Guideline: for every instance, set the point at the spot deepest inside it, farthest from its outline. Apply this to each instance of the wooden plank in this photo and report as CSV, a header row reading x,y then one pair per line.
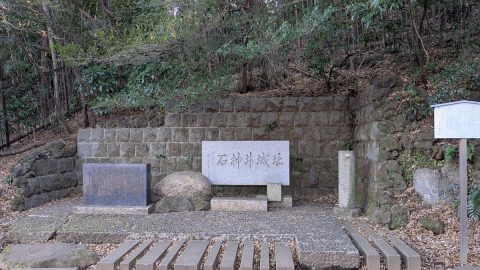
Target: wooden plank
x,y
147,262
130,260
168,260
283,257
246,262
212,257
265,256
111,261
191,257
369,253
229,256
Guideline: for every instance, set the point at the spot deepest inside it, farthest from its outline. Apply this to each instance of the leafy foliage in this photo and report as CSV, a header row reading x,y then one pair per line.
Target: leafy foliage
x,y
473,206
450,153
456,82
153,53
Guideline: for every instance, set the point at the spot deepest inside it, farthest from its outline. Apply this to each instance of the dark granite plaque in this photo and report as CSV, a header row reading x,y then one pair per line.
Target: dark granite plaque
x,y
116,184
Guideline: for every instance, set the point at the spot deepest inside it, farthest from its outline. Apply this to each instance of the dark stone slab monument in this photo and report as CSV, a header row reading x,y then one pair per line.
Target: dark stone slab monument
x,y
116,189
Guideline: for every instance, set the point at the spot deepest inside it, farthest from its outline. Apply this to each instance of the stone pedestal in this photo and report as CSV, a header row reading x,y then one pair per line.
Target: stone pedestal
x,y
346,184
274,192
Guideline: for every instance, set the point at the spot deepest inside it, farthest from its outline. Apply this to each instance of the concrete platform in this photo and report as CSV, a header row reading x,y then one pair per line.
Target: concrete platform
x,y
319,238
113,210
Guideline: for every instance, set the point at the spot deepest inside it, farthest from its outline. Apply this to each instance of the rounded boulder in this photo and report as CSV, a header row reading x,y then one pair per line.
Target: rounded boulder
x,y
184,184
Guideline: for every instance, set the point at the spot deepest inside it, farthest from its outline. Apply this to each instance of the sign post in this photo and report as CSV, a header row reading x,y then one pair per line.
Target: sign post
x,y
463,202
459,120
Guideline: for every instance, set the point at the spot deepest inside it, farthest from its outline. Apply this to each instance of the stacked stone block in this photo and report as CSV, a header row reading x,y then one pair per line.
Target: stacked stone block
x,y
317,127
45,175
380,130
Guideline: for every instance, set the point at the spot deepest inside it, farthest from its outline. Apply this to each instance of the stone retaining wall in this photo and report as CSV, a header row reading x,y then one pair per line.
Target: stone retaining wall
x,y
45,175
379,141
317,127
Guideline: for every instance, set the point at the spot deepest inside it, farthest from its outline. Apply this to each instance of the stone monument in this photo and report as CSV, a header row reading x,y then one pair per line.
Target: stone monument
x,y
116,189
248,163
346,184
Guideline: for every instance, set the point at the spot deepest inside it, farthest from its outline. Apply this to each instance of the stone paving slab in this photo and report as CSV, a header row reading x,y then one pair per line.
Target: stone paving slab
x,y
35,228
212,258
389,253
111,261
321,241
130,260
45,269
167,262
264,256
410,258
283,257
369,253
192,255
147,262
229,256
246,262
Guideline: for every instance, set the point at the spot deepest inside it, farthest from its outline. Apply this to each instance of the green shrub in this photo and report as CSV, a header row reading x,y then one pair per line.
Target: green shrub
x,y
451,152
473,206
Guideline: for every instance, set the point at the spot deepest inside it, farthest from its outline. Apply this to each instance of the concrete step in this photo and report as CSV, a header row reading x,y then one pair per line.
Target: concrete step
x,y
147,262
265,256
111,261
410,258
283,257
129,261
229,256
369,253
211,261
167,261
389,253
246,262
238,204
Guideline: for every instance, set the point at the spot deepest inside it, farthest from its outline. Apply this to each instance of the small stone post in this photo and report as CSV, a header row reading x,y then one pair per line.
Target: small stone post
x,y
346,184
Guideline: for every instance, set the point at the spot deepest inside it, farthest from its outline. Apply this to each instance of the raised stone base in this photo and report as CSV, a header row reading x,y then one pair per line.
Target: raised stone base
x,y
113,210
346,212
238,204
287,201
274,192
466,268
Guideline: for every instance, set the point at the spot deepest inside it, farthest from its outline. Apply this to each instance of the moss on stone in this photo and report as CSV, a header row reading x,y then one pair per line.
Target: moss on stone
x,y
434,225
413,159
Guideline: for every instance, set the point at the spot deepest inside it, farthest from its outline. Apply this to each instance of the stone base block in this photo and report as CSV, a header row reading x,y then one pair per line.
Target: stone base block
x,y
287,201
238,204
274,192
346,212
114,210
466,268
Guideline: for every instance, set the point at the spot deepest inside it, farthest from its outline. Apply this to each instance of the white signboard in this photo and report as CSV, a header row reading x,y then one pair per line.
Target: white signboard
x,y
246,162
457,120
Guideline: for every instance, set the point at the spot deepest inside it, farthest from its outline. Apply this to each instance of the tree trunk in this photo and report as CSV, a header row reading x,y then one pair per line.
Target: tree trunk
x,y
56,90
